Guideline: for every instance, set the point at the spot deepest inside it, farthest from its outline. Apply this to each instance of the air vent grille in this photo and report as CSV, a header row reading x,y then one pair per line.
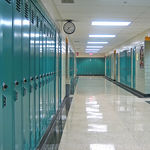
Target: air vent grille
x,y
8,1
18,5
37,21
32,17
67,1
26,10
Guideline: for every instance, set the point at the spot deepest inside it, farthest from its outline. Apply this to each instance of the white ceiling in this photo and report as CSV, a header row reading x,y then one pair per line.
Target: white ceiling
x,y
85,11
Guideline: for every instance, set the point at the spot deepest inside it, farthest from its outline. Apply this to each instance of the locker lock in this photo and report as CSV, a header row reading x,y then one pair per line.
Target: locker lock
x,y
44,75
5,86
40,76
16,83
37,77
24,80
31,78
47,74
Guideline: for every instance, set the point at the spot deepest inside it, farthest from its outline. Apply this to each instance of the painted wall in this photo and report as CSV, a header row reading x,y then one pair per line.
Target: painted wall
x,y
90,66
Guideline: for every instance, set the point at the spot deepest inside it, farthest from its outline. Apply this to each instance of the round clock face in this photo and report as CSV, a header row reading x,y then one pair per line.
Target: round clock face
x,y
69,27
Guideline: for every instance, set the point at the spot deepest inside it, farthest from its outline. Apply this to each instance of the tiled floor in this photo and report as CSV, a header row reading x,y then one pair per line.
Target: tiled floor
x,y
105,117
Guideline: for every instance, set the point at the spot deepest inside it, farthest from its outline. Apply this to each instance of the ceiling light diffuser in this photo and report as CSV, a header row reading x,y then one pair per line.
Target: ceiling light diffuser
x,y
95,46
102,36
97,42
109,23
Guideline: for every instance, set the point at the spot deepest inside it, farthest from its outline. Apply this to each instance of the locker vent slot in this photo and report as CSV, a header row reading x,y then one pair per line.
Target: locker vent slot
x,y
32,17
18,5
8,1
41,26
44,28
26,10
37,19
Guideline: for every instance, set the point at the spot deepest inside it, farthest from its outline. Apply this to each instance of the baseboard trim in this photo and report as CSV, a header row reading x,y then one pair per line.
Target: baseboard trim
x,y
52,123
129,89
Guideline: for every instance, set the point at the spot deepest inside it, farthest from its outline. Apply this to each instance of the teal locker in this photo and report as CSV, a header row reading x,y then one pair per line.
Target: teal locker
x,y
32,74
41,76
128,82
25,75
1,48
116,67
53,76
46,77
7,102
17,73
37,74
59,71
44,71
134,66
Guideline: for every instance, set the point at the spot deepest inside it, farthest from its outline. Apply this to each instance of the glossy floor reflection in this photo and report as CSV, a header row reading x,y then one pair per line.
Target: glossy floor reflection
x,y
105,117
53,140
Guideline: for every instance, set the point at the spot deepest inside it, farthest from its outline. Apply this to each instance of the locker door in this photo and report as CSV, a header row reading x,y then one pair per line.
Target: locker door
x,y
41,79
1,48
134,67
32,74
59,71
48,73
53,71
44,72
7,103
17,73
46,77
25,75
37,74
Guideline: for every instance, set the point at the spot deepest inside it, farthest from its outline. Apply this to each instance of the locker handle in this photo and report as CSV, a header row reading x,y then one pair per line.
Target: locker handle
x,y
44,75
40,76
47,74
31,78
5,86
16,83
25,80
37,77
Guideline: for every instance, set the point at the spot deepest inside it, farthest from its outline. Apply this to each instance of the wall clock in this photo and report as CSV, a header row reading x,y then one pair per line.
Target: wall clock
x,y
69,27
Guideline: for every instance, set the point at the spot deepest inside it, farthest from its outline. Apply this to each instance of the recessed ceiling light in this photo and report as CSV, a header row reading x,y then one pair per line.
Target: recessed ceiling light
x,y
109,23
102,36
91,49
97,42
95,46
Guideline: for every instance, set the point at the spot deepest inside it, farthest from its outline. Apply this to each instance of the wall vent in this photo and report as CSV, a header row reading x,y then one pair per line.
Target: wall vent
x,y
26,10
18,5
37,23
32,17
8,1
67,1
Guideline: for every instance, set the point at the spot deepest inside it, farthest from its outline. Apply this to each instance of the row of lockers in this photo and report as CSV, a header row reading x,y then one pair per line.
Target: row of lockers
x,y
125,67
28,42
90,66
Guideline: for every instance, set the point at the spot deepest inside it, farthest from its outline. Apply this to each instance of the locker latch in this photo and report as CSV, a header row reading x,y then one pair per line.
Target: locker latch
x,y
3,101
23,91
4,86
30,89
15,95
35,86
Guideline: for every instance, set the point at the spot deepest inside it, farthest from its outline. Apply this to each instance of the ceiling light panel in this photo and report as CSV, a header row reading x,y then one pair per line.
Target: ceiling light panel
x,y
95,46
97,42
101,36
109,23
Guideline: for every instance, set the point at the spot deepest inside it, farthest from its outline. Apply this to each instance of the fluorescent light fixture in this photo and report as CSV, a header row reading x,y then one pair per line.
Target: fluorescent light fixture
x,y
102,36
109,23
95,46
91,49
97,42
